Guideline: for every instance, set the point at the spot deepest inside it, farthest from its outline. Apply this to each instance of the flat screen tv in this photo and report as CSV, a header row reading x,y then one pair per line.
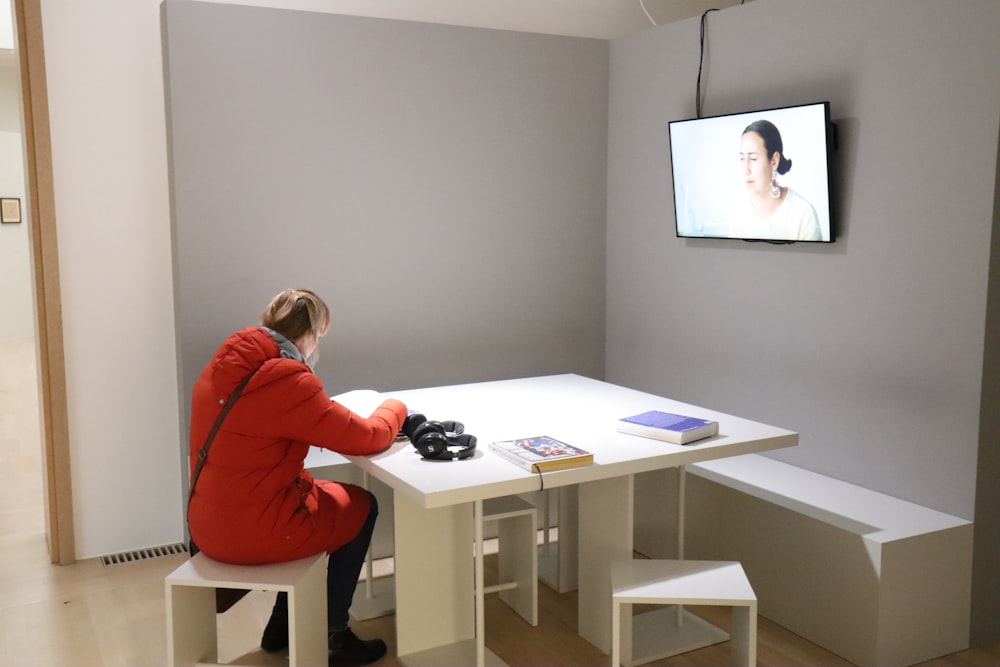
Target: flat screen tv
x,y
756,176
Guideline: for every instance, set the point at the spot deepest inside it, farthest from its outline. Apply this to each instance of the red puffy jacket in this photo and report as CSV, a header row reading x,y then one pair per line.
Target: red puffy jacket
x,y
254,502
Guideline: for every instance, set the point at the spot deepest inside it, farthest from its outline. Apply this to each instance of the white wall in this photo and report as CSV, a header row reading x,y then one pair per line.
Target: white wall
x,y
16,305
15,268
15,249
106,106
6,25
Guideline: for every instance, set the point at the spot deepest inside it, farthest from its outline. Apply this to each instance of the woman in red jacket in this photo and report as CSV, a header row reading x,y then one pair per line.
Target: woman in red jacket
x,y
253,501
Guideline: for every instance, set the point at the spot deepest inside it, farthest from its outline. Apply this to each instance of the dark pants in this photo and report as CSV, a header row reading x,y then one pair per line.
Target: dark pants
x,y
343,568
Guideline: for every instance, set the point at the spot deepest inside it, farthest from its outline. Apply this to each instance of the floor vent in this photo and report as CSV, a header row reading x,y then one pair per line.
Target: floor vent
x,y
144,554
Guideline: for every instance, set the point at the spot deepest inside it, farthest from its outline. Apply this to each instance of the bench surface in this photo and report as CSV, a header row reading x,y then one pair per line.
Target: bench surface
x,y
874,515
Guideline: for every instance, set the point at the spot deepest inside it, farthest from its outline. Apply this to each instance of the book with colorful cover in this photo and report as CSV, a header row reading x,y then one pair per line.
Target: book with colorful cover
x,y
541,453
667,426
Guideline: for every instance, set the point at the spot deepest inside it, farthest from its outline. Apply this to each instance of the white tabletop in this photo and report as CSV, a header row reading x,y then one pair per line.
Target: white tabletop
x,y
575,409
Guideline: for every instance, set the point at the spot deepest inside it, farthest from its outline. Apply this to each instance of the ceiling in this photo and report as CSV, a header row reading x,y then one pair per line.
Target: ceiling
x,y
604,19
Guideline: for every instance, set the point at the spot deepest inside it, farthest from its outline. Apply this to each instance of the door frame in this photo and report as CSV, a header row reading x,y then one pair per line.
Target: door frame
x,y
41,218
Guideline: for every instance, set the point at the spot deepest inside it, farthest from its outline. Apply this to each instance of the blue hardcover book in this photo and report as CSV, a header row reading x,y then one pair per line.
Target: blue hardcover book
x,y
678,429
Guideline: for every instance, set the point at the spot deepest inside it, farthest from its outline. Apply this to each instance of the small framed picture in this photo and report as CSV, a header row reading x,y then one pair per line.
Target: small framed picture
x,y
10,209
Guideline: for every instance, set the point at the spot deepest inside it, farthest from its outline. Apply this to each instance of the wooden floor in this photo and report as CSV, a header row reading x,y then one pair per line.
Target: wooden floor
x,y
91,615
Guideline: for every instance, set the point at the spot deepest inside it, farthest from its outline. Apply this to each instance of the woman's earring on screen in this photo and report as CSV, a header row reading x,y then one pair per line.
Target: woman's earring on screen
x,y
775,188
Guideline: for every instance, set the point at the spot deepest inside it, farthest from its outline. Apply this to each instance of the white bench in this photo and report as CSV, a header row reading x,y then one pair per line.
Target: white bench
x,y
872,578
517,534
190,601
640,638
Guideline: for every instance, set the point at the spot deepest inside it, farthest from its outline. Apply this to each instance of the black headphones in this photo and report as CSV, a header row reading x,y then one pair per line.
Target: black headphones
x,y
433,439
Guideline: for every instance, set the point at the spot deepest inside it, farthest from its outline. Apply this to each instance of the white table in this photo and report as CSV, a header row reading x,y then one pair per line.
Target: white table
x,y
439,602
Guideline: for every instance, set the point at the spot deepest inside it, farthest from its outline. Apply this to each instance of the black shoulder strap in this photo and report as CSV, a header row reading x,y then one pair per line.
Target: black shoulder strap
x,y
203,452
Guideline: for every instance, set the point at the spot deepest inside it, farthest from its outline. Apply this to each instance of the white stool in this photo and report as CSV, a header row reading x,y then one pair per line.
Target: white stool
x,y
517,534
190,597
679,582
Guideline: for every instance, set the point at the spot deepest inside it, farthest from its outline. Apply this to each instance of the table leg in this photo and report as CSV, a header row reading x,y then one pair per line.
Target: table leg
x,y
605,534
478,568
557,563
434,583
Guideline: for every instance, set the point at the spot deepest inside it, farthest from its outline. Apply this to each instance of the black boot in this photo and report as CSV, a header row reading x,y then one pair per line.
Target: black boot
x,y
275,637
347,649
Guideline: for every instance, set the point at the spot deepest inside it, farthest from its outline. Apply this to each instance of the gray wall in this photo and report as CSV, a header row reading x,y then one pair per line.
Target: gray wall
x,y
442,188
871,348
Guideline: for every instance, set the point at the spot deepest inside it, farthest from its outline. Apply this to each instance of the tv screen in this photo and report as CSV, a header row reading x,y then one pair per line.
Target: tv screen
x,y
756,176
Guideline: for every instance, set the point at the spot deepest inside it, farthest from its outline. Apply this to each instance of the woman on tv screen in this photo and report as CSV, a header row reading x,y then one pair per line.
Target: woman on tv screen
x,y
769,210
